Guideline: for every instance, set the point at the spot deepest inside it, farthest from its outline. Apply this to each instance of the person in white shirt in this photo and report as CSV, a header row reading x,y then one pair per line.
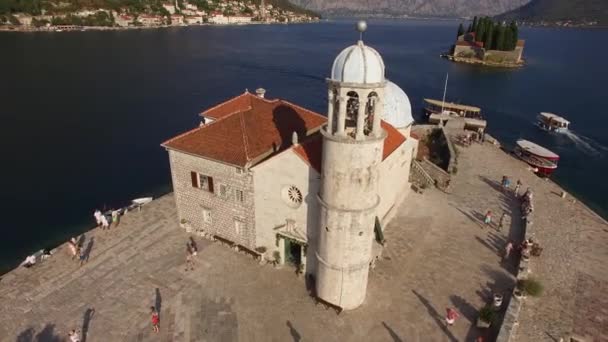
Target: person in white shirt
x,y
97,215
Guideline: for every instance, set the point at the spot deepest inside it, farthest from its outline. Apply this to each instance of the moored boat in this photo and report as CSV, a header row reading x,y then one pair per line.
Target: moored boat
x,y
552,122
543,160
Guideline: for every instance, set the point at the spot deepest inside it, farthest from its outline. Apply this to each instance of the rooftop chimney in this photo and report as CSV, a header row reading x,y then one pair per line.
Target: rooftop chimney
x,y
294,138
260,92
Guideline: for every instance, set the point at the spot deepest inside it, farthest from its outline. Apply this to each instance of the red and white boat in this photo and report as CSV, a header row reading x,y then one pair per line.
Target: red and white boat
x,y
541,159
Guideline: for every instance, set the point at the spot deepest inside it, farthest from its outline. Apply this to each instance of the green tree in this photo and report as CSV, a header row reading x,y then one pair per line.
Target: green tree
x,y
481,30
500,38
508,40
515,34
487,36
460,30
474,29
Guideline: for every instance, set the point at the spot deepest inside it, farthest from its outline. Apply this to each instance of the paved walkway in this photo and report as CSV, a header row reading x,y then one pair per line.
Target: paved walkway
x,y
438,256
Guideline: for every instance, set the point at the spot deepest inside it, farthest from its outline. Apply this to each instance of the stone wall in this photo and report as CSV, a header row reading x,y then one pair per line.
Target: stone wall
x,y
394,175
191,202
503,56
509,323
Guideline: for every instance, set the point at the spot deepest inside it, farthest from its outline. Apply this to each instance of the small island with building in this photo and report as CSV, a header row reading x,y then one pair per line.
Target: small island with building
x,y
489,43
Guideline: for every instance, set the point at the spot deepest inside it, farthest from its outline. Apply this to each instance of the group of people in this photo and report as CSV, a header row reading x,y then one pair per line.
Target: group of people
x,y
506,185
103,221
487,219
77,251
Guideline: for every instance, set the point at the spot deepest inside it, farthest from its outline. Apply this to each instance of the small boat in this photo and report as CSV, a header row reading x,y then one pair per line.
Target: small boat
x,y
137,204
440,107
541,159
142,201
552,122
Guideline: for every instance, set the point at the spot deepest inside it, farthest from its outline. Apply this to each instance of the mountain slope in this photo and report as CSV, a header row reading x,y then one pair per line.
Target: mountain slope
x,y
439,8
561,10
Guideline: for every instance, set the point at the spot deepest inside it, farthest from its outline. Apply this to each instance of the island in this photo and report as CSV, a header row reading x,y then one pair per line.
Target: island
x,y
490,43
41,15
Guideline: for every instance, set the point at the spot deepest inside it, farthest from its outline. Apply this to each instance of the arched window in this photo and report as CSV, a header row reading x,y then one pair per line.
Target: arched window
x,y
352,108
370,111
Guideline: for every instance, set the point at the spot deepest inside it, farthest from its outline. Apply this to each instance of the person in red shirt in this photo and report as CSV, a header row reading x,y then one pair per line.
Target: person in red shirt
x,y
155,320
451,316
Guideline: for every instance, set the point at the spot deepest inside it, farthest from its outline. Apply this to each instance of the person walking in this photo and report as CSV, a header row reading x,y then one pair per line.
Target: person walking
x,y
517,187
104,223
487,220
155,319
115,218
82,256
508,249
74,336
501,221
451,316
193,247
97,215
73,248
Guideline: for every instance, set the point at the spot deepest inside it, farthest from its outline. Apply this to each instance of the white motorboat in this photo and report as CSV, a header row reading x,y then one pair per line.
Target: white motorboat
x,y
552,122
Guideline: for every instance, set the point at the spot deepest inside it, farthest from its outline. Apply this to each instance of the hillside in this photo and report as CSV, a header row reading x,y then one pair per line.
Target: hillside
x,y
552,11
434,8
37,7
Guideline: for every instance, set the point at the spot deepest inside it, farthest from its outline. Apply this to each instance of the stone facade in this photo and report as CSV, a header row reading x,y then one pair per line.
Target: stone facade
x,y
272,178
394,176
230,218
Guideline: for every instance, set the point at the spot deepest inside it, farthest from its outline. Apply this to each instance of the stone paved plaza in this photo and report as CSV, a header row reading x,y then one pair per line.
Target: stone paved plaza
x,y
438,255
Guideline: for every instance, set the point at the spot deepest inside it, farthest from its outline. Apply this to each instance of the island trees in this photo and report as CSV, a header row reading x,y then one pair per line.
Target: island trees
x,y
493,35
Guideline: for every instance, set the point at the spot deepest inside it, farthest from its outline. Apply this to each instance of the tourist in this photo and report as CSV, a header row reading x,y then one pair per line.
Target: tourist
x,y
81,256
193,246
451,316
517,187
115,218
74,336
155,320
507,183
508,249
73,249
503,182
501,222
488,218
104,223
97,215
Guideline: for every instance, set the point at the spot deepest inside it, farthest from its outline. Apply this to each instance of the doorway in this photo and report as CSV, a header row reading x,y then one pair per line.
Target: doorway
x,y
293,253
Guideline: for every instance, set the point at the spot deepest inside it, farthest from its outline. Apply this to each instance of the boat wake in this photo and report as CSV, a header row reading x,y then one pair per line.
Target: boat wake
x,y
586,145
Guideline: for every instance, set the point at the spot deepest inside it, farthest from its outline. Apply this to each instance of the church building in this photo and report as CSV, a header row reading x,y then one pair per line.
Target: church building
x,y
268,175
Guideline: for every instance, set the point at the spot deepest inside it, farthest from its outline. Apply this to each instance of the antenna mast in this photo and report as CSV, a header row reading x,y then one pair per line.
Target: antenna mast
x,y
445,89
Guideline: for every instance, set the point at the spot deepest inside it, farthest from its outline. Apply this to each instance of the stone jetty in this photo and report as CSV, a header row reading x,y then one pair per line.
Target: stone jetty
x,y
438,255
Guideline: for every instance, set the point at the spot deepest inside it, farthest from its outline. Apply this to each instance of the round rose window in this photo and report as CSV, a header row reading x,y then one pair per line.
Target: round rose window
x,y
292,196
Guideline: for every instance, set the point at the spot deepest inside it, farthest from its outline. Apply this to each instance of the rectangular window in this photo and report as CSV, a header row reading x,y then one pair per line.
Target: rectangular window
x,y
239,170
239,226
206,215
224,191
205,182
239,195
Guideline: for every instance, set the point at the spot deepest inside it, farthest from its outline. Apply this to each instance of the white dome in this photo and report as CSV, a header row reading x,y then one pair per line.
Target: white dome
x,y
358,64
397,107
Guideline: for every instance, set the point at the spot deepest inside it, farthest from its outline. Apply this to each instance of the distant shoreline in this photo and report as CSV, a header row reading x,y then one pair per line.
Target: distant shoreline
x,y
25,29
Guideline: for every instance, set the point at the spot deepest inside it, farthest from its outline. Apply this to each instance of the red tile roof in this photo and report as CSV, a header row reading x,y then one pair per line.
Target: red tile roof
x,y
247,129
311,150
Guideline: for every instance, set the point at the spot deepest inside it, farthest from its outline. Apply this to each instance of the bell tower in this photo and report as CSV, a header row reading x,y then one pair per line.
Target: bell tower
x,y
353,142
